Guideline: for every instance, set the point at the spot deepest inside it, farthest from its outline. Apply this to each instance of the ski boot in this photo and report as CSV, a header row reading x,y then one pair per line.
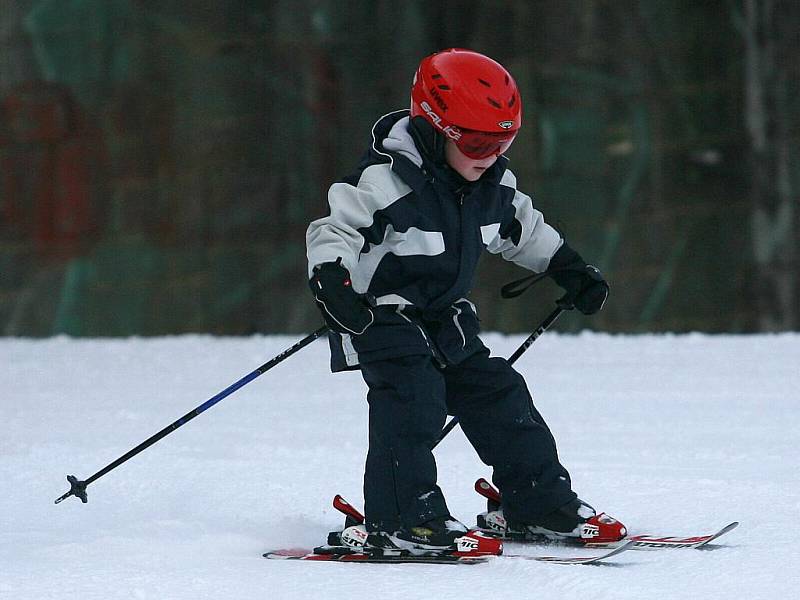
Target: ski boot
x,y
439,536
575,522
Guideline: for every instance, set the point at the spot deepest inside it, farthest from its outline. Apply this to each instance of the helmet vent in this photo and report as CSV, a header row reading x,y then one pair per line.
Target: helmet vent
x,y
484,82
512,101
507,80
446,88
494,102
436,76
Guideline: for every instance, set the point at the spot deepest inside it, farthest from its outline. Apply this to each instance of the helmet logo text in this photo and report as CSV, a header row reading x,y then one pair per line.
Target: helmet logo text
x,y
452,132
506,124
437,97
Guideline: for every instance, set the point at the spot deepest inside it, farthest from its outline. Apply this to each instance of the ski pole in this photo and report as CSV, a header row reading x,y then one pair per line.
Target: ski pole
x,y
544,326
78,488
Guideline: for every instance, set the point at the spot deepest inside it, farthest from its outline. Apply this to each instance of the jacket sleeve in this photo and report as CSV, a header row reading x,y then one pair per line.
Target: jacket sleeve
x,y
522,236
337,235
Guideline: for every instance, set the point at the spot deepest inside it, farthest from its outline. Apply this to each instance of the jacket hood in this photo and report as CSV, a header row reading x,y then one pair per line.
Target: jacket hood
x,y
417,155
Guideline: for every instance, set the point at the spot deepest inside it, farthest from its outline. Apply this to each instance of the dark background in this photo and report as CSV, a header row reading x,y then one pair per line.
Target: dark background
x,y
160,160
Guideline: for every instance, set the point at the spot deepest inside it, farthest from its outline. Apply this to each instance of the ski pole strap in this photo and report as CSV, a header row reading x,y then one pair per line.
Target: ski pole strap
x,y
520,286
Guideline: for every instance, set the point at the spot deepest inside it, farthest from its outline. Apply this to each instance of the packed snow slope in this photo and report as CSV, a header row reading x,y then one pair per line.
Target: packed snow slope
x,y
671,434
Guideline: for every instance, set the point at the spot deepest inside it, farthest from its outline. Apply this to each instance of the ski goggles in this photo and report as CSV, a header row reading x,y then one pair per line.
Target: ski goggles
x,y
483,144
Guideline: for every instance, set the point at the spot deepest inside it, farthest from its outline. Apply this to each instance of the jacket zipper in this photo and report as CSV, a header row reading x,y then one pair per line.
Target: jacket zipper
x,y
458,327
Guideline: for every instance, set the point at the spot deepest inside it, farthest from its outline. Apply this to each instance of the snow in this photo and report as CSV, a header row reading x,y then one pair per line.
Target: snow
x,y
677,434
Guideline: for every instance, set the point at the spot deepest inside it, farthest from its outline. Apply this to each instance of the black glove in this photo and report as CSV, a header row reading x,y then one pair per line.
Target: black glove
x,y
342,307
586,289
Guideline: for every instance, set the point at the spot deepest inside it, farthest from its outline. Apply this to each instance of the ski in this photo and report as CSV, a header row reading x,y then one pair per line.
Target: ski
x,y
637,542
574,560
658,542
632,542
361,558
330,554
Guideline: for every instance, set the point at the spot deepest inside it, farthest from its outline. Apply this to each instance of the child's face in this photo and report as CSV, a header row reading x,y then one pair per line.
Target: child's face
x,y
469,168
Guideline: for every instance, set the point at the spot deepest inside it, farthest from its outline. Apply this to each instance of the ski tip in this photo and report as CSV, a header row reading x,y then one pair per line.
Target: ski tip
x,y
582,560
728,528
629,545
288,553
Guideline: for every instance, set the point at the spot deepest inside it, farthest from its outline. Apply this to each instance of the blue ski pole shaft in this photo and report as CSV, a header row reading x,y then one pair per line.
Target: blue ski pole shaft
x,y
78,488
544,326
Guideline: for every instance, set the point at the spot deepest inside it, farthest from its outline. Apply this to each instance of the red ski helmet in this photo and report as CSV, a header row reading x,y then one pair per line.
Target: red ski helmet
x,y
470,99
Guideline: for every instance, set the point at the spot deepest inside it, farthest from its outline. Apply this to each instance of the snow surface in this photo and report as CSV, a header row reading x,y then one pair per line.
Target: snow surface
x,y
675,434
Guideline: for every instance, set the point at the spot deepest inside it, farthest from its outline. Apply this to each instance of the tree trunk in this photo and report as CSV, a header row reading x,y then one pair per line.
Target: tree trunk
x,y
773,203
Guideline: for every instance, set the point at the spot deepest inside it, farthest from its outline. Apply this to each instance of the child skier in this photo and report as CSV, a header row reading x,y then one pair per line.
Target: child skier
x,y
391,268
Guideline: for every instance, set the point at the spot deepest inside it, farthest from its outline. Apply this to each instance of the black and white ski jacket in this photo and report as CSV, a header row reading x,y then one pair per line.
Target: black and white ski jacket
x,y
411,232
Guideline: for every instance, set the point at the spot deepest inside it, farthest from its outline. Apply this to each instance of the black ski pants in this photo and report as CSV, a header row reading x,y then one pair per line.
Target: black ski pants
x,y
409,399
